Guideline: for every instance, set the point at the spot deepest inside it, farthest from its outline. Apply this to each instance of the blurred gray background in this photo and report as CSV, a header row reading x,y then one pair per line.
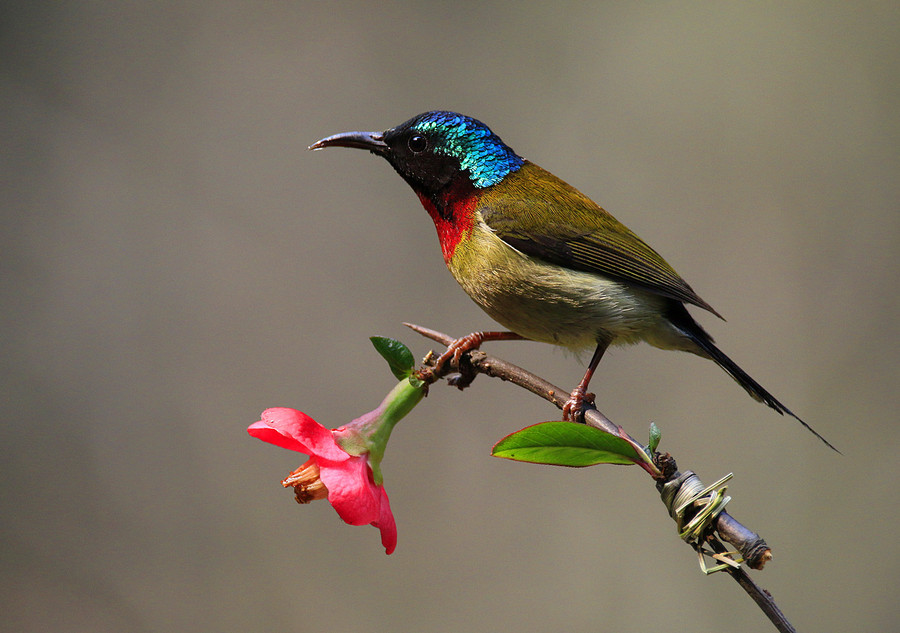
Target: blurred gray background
x,y
174,261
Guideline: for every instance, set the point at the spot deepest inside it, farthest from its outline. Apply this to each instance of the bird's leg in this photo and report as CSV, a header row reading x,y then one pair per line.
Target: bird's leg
x,y
471,342
573,409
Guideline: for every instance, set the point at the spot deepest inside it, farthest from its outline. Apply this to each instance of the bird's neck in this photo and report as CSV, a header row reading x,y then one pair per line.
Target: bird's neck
x,y
453,211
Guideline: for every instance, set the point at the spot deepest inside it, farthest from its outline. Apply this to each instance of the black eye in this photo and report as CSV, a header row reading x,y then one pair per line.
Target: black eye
x,y
417,144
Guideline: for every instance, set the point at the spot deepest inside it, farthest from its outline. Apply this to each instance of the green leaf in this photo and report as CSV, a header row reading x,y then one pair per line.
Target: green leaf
x,y
398,356
655,436
565,444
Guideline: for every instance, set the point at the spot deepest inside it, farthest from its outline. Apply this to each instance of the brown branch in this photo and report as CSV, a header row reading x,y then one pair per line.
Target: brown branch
x,y
752,547
760,596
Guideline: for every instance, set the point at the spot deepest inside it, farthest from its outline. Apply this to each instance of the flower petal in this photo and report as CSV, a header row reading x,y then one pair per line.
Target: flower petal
x,y
356,498
386,524
266,433
350,489
296,431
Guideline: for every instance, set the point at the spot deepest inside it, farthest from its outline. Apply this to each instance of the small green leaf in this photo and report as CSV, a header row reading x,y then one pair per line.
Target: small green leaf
x,y
655,436
565,444
398,356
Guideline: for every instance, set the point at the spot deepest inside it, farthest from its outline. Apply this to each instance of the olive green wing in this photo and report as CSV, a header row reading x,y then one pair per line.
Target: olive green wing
x,y
544,217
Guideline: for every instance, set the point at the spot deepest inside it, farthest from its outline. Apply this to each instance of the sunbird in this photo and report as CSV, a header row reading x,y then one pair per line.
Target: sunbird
x,y
540,257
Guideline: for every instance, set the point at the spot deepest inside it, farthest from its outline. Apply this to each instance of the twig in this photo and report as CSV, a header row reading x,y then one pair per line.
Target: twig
x,y
752,547
760,596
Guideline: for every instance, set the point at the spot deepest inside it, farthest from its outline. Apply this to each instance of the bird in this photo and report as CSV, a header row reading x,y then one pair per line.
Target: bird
x,y
537,255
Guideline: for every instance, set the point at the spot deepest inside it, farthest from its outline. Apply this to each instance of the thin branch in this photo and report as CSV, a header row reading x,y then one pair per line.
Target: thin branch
x,y
752,547
760,596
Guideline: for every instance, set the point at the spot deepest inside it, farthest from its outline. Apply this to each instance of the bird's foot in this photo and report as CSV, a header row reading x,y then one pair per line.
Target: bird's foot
x,y
573,409
468,343
455,355
456,351
457,348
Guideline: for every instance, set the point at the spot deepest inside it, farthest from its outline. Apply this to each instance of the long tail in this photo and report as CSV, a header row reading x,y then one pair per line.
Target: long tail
x,y
690,328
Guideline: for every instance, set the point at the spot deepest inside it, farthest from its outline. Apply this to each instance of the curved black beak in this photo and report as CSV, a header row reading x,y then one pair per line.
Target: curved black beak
x,y
372,141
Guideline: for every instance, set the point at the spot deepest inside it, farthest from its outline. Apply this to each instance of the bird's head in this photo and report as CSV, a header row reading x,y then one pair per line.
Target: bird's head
x,y
436,149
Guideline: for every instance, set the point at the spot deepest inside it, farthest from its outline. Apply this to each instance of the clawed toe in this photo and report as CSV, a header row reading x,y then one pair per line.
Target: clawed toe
x,y
573,409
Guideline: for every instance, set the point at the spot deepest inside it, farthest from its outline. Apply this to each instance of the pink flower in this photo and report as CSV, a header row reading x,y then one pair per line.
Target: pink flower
x,y
345,477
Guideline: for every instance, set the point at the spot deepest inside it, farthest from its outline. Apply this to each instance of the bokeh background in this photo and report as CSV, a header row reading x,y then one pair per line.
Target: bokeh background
x,y
174,261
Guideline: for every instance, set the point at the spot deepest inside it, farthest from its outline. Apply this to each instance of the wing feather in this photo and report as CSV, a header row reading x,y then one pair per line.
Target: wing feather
x,y
582,236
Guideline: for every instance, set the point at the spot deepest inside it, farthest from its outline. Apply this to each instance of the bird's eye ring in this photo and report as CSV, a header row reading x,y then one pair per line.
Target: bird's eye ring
x,y
417,144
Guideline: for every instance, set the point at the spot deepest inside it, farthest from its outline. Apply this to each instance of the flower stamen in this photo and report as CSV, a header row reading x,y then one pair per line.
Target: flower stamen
x,y
306,483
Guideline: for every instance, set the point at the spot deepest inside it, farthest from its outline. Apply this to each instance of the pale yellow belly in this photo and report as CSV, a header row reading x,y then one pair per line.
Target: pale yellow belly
x,y
552,304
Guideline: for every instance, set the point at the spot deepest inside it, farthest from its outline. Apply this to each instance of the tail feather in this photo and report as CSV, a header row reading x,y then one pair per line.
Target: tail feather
x,y
704,341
